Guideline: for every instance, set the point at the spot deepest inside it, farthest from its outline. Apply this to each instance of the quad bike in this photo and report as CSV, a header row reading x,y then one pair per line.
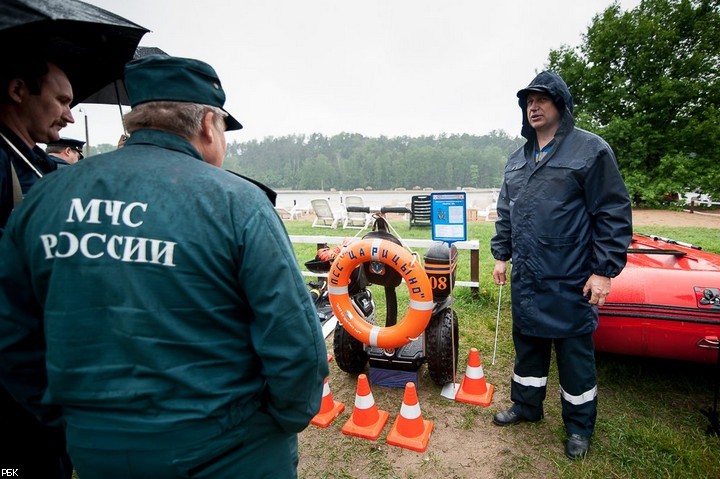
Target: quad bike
x,y
359,340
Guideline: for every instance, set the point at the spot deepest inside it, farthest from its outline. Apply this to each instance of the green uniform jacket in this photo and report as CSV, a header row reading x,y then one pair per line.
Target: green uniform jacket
x,y
149,294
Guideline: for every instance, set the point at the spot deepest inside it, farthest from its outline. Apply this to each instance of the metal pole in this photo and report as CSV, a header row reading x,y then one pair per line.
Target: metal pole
x,y
87,136
497,325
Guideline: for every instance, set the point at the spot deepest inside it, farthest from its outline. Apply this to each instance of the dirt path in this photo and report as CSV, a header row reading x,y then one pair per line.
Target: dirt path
x,y
676,218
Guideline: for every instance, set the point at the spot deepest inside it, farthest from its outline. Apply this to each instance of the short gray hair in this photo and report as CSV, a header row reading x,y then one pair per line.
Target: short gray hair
x,y
55,149
183,119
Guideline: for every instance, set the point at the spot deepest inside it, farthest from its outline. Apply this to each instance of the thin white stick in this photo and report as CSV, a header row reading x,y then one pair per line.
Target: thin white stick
x,y
452,318
497,325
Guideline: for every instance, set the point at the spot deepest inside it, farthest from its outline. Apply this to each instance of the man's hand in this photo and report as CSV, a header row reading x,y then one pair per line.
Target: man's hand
x,y
598,287
499,272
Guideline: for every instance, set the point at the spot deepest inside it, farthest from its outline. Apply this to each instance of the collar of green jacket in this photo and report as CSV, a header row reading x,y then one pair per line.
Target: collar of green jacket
x,y
163,139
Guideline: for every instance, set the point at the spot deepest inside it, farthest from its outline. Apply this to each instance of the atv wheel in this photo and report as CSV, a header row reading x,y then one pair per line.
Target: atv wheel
x,y
350,353
441,346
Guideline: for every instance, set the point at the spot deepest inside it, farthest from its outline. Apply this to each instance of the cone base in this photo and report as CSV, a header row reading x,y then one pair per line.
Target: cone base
x,y
418,443
368,432
323,419
483,399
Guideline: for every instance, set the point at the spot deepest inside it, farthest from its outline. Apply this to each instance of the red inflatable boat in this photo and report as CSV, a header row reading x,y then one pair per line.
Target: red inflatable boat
x,y
665,303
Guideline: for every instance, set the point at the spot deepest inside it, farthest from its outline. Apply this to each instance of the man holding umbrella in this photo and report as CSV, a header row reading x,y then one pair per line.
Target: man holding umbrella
x,y
54,41
48,46
35,98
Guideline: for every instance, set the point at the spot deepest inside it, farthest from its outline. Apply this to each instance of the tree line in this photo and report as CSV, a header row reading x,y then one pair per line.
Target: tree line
x,y
347,161
350,160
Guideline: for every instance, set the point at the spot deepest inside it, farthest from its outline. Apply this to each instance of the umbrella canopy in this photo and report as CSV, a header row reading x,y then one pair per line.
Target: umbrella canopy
x,y
90,44
115,93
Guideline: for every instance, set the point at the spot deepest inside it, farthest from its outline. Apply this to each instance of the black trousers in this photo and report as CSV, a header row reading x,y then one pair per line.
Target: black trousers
x,y
578,379
35,450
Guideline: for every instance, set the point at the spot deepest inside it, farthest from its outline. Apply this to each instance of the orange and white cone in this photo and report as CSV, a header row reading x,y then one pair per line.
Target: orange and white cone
x,y
410,430
473,388
329,408
366,420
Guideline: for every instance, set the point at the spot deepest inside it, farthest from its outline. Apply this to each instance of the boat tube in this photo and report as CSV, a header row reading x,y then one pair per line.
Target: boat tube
x,y
664,304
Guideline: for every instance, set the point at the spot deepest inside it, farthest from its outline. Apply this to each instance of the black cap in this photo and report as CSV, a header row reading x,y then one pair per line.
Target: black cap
x,y
167,78
523,94
552,84
71,143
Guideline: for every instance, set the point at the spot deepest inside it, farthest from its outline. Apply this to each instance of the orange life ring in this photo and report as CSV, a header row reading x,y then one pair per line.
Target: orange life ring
x,y
393,255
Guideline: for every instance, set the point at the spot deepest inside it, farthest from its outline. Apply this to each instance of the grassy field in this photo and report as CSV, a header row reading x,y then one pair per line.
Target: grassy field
x,y
649,423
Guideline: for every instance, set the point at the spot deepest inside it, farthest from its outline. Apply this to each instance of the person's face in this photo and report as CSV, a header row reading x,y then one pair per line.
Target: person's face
x,y
49,112
542,114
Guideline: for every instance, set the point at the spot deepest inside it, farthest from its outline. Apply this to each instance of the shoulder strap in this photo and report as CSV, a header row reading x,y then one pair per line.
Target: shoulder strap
x,y
21,156
17,190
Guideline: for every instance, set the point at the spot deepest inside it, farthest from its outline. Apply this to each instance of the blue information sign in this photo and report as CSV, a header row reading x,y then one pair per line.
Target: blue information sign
x,y
449,222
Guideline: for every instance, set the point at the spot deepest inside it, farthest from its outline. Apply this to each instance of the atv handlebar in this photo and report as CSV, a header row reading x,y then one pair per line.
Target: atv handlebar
x,y
383,210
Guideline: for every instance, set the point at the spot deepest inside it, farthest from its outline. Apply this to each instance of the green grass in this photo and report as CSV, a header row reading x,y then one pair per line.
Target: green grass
x,y
649,423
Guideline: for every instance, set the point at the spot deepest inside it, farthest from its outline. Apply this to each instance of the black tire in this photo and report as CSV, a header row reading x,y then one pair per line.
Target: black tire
x,y
350,354
441,346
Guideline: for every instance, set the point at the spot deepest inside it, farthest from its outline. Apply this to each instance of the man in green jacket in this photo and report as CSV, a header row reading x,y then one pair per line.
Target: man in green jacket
x,y
154,299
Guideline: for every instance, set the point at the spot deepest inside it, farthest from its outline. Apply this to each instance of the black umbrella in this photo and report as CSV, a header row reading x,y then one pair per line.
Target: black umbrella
x,y
115,93
90,44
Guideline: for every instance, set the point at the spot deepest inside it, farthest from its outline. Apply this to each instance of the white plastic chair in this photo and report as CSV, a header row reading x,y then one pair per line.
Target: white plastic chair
x,y
355,220
324,216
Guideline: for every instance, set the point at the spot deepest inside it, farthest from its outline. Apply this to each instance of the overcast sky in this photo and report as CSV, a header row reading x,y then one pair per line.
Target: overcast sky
x,y
375,67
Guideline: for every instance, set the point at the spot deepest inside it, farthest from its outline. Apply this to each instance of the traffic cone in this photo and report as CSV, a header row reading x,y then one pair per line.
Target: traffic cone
x,y
366,420
410,430
329,409
473,388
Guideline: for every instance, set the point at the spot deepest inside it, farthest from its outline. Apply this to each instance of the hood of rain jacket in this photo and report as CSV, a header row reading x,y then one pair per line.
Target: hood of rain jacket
x,y
554,85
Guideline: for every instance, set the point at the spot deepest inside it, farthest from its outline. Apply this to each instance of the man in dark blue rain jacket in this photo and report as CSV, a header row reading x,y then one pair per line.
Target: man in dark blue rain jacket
x,y
156,299
35,97
565,220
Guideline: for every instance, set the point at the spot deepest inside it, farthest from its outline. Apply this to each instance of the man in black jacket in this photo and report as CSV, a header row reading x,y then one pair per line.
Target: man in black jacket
x,y
35,98
564,218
